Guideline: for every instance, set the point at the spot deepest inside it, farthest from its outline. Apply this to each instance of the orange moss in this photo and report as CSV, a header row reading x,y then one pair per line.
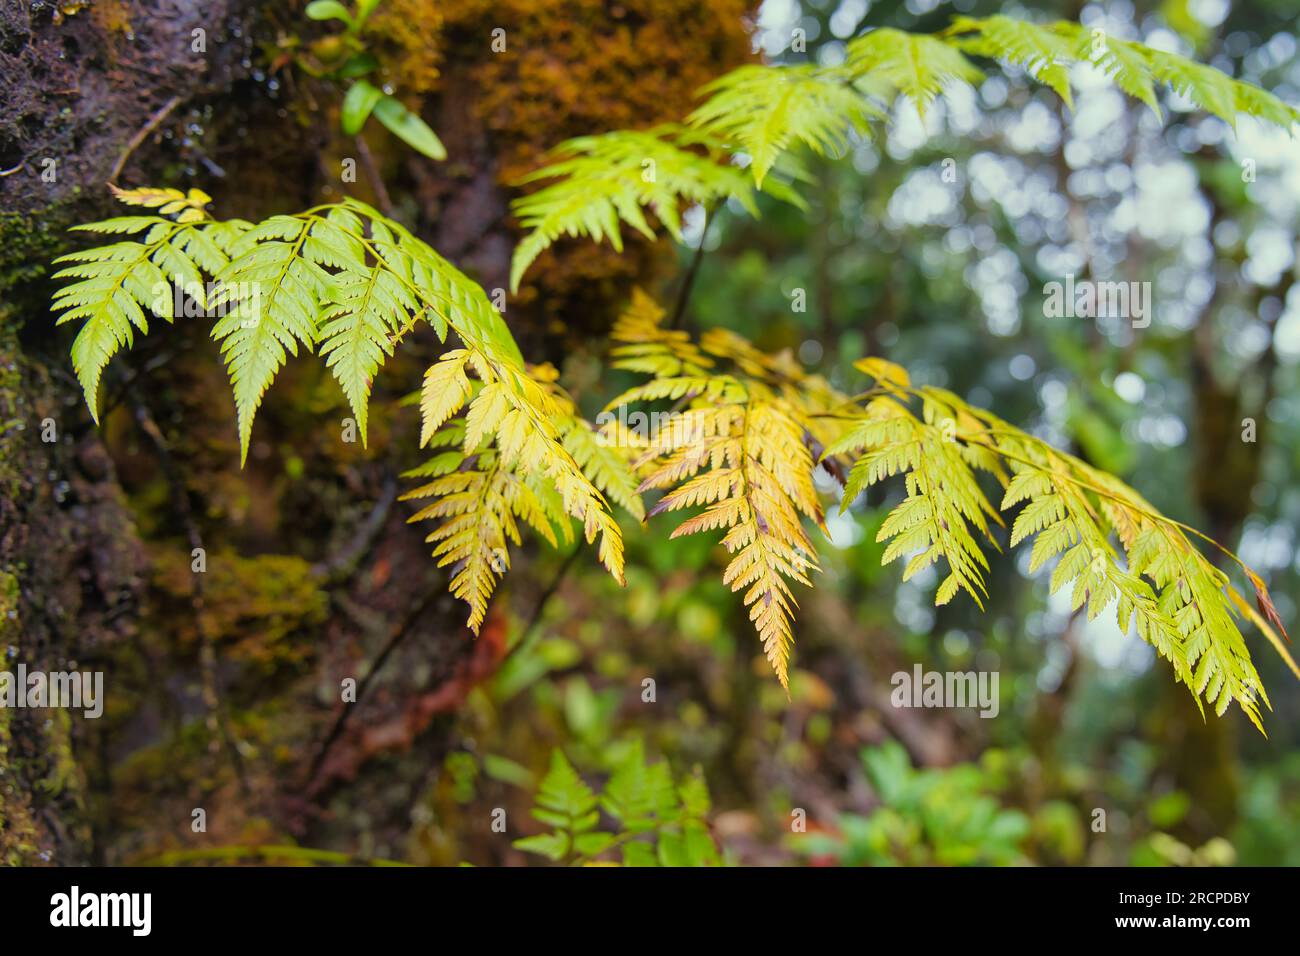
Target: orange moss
x,y
577,67
404,35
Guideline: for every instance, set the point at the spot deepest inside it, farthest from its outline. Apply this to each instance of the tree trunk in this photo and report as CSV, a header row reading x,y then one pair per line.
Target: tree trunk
x,y
224,684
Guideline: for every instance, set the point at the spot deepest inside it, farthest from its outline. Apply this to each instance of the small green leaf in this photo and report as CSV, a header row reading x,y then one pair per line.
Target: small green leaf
x,y
328,10
553,846
409,128
592,844
364,9
359,65
358,104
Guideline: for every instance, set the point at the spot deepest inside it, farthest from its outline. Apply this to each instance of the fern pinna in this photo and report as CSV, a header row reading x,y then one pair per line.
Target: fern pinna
x,y
744,430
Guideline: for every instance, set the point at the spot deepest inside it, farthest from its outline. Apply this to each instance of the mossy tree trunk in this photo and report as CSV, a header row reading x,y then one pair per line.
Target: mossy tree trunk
x,y
224,685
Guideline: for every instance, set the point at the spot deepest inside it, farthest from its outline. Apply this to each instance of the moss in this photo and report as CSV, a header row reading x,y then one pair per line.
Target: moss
x,y
10,623
12,425
113,17
404,36
19,836
256,606
580,68
27,244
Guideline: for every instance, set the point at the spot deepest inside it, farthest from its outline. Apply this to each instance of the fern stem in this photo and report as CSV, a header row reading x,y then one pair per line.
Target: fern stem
x,y
688,280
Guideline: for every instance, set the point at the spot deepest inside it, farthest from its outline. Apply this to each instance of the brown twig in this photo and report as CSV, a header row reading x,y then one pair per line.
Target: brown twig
x,y
376,180
542,601
154,121
396,635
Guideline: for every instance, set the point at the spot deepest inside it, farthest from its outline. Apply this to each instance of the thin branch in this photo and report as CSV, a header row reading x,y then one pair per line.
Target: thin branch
x,y
396,635
340,566
154,122
376,180
542,601
688,280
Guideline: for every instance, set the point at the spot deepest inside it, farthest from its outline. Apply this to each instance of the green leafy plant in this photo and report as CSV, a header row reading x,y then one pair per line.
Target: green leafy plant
x,y
344,59
934,817
656,821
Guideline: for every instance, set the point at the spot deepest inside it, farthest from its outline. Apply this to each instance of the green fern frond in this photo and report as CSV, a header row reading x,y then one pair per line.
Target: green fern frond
x,y
1126,64
602,181
271,293
1112,548
766,110
944,503
1203,85
352,281
1046,53
918,66
1042,52
659,822
364,310
122,284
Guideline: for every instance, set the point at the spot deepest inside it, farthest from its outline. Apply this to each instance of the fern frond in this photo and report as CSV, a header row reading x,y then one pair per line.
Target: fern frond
x,y
363,309
602,181
186,207
603,458
650,349
756,485
1110,546
1159,582
272,293
918,66
479,502
517,408
1040,51
1124,63
603,462
353,281
944,503
1203,85
766,110
121,284
1046,53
